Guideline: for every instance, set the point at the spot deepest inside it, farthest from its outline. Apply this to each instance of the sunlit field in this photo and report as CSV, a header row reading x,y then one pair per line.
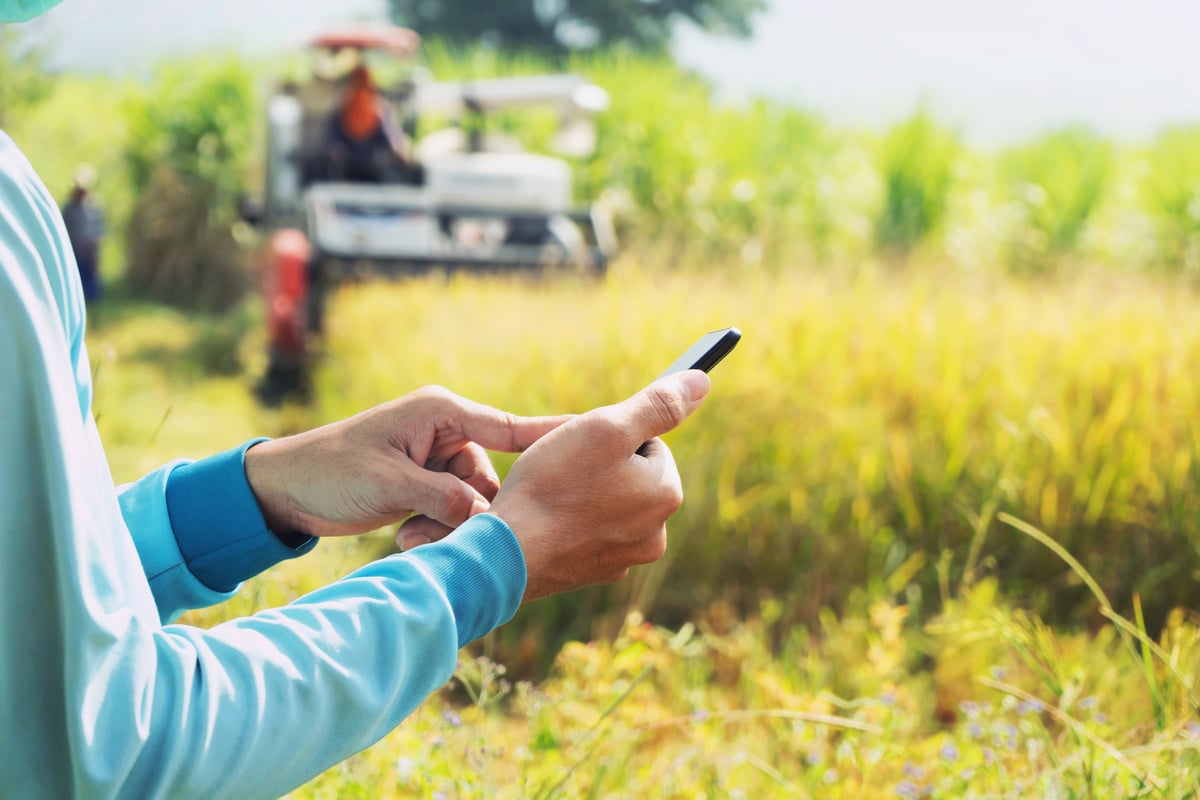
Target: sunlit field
x,y
941,535
879,493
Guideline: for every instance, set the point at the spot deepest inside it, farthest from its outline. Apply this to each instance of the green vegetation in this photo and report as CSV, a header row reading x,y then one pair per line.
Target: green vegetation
x,y
940,518
189,142
1055,184
696,185
22,81
917,167
848,609
891,421
1173,198
198,118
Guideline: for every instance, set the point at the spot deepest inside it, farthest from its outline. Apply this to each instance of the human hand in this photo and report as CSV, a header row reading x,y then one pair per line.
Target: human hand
x,y
592,497
422,454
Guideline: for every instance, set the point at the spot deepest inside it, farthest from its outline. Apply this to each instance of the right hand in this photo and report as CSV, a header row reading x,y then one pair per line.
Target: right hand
x,y
591,498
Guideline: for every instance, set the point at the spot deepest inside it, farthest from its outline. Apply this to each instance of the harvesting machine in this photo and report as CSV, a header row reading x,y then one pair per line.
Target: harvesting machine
x,y
462,197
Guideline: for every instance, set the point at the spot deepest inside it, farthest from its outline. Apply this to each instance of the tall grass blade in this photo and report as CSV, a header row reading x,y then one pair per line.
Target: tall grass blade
x,y
1061,552
1148,665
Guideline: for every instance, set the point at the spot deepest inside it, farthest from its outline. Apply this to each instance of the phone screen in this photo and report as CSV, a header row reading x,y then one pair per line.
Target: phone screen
x,y
707,352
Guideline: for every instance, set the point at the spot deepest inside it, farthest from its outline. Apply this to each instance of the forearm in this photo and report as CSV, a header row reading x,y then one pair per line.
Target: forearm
x,y
259,705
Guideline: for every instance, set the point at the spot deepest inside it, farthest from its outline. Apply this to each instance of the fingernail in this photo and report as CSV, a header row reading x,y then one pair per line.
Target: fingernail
x,y
414,541
696,382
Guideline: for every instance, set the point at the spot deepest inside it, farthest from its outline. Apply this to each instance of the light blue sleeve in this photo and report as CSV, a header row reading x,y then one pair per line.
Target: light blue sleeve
x,y
100,699
199,531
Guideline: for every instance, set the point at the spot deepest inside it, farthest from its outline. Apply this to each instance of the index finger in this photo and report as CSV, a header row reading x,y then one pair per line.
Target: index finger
x,y
501,431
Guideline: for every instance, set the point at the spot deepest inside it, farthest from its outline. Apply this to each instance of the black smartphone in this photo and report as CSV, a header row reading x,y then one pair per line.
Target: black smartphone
x,y
707,352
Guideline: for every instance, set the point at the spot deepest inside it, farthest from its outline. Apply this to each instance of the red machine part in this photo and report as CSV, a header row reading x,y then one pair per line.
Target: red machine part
x,y
285,286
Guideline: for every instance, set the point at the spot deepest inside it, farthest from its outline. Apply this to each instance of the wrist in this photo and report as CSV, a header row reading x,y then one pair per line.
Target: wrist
x,y
270,492
532,549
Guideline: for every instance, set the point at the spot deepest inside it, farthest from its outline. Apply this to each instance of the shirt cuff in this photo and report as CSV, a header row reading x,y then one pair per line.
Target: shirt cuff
x,y
481,568
218,525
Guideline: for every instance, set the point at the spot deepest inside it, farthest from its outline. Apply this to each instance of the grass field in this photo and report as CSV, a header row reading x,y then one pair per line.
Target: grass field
x,y
845,610
961,371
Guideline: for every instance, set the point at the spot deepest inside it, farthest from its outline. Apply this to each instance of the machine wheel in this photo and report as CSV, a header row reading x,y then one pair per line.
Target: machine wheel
x,y
318,290
286,378
565,246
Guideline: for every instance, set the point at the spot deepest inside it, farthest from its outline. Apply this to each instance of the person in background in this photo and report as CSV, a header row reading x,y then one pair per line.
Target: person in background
x,y
362,143
85,228
104,695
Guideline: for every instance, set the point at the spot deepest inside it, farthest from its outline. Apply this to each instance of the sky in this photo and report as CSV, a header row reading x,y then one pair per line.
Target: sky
x,y
999,71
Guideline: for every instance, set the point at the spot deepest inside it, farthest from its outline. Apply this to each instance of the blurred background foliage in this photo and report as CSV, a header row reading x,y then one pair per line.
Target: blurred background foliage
x,y
1054,184
700,184
190,142
916,163
559,26
942,405
23,81
936,335
1173,198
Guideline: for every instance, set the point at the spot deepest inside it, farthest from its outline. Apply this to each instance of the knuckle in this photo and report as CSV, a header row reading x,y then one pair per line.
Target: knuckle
x,y
675,499
454,506
509,421
489,485
671,497
667,408
433,392
604,427
654,548
616,576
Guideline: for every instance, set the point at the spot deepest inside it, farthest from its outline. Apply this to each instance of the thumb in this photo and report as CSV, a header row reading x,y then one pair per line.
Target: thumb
x,y
660,407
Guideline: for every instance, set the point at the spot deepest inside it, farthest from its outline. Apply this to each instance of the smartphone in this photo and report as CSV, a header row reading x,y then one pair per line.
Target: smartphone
x,y
707,352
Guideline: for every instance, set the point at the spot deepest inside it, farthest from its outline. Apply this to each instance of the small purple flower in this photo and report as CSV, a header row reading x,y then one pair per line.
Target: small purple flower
x,y
813,758
989,756
1010,737
1100,717
1089,702
1193,728
888,699
949,752
452,717
975,730
908,790
998,673
700,714
913,771
1031,707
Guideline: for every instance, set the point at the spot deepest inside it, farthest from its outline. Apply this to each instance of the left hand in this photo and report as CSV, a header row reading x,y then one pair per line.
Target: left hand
x,y
422,455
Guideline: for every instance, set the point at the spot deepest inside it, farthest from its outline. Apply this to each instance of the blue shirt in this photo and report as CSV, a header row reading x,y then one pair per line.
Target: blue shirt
x,y
100,696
